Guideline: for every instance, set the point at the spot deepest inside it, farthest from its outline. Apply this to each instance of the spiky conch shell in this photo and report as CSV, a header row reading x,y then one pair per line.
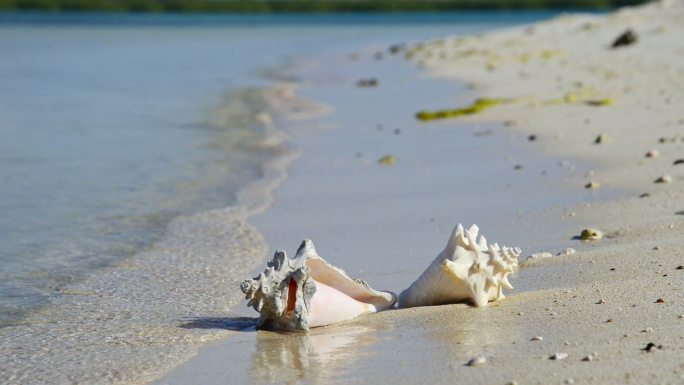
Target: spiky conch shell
x,y
270,292
466,271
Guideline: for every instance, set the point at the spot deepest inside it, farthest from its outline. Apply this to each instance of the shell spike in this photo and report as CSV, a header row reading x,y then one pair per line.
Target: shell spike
x,y
453,240
472,239
483,243
306,250
278,260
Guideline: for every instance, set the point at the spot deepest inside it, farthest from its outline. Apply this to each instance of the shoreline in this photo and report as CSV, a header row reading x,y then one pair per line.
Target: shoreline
x,y
597,309
123,312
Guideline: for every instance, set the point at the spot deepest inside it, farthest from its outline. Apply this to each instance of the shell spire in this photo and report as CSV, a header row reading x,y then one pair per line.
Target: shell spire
x,y
467,270
306,291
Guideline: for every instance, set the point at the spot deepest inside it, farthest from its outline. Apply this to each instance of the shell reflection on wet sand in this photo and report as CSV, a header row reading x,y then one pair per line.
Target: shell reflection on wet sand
x,y
311,357
306,291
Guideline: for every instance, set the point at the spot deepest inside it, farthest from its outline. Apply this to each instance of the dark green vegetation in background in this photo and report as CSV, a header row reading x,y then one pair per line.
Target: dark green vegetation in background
x,y
300,5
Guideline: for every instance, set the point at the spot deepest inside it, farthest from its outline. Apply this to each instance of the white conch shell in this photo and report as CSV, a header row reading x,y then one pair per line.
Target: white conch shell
x,y
466,270
306,291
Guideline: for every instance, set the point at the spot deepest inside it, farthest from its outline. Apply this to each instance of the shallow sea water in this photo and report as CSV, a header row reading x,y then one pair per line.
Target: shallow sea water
x,y
123,140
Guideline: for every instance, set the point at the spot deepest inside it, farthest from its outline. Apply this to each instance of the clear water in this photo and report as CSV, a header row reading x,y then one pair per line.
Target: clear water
x,y
108,129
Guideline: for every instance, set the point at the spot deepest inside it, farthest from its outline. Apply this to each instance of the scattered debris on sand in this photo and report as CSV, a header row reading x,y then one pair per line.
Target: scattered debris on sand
x,y
626,38
372,82
477,361
590,234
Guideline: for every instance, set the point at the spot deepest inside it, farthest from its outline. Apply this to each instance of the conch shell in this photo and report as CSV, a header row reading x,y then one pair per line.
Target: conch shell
x,y
466,271
306,291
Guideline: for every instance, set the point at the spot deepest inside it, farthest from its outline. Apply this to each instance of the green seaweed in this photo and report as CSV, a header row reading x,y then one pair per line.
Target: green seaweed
x,y
477,106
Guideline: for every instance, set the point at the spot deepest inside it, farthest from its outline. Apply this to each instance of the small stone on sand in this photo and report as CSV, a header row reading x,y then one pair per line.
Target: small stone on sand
x,y
664,179
651,347
590,234
680,267
601,301
653,154
372,82
537,338
660,300
601,138
559,356
647,330
567,251
588,358
678,161
541,255
592,185
626,38
477,361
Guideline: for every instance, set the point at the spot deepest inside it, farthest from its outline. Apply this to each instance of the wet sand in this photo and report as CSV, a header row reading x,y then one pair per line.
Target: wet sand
x,y
601,306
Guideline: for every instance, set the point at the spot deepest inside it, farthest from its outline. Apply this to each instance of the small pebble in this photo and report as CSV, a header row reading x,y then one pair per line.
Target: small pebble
x,y
601,301
678,161
590,234
647,330
644,195
477,361
518,167
650,347
664,179
601,138
532,138
540,255
567,251
520,313
372,82
660,300
569,381
680,267
653,154
588,358
559,356
656,248
592,185
537,338
681,316
609,320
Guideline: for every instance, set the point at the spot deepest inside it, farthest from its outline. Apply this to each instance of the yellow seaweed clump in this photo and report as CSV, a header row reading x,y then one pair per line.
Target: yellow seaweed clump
x,y
477,106
600,102
387,160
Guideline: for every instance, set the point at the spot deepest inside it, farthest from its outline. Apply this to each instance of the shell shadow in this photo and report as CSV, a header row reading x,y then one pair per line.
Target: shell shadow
x,y
240,324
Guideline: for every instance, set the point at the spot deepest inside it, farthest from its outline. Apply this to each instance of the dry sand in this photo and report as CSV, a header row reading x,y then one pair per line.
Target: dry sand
x,y
596,309
636,264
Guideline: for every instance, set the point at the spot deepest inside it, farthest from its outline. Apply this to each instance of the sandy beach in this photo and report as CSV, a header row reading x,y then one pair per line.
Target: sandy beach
x,y
612,312
574,134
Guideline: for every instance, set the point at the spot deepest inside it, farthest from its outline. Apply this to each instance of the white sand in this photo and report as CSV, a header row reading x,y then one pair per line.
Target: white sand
x,y
385,224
